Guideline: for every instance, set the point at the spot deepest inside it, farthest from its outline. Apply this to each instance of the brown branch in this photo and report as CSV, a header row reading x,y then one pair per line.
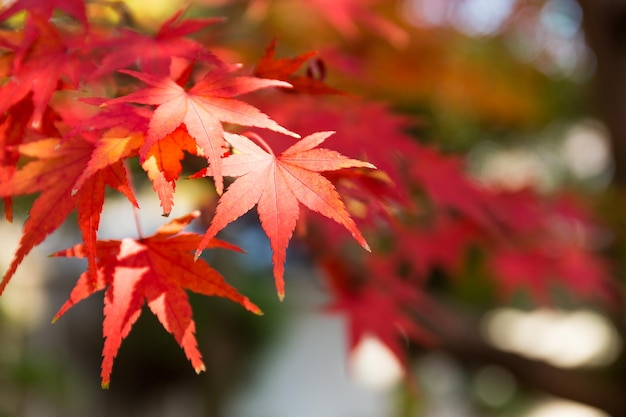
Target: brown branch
x,y
605,30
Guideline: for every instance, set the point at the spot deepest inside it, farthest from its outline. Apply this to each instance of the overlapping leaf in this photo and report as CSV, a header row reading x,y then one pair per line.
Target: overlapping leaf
x,y
52,58
201,109
163,165
54,174
156,270
12,132
376,304
284,69
276,185
45,8
154,54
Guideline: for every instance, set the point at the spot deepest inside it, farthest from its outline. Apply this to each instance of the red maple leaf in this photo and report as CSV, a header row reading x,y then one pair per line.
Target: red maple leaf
x,y
345,16
377,304
546,245
50,59
277,184
132,118
154,53
157,269
444,180
12,129
45,8
370,129
538,271
284,68
442,244
202,109
54,174
162,162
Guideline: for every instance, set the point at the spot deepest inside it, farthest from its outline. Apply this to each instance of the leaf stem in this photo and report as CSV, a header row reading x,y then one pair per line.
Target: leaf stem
x,y
258,139
137,224
135,206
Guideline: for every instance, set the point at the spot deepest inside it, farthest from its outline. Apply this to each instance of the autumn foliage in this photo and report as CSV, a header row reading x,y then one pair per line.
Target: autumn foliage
x,y
85,105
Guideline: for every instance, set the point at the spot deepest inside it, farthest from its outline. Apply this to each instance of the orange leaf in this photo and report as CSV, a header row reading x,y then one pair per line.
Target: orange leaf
x,y
163,165
114,145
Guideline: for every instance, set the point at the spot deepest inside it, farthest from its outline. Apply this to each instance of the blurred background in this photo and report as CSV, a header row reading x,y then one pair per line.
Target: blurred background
x,y
532,93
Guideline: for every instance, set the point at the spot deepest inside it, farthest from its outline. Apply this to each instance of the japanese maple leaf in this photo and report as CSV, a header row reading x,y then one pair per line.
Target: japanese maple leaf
x,y
163,165
45,8
131,118
156,269
378,313
277,184
202,109
112,147
52,58
54,173
154,54
344,15
279,69
540,270
359,125
551,244
447,185
442,244
163,160
384,308
12,130
284,68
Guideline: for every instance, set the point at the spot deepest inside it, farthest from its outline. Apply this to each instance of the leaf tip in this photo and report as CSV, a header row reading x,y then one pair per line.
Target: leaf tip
x,y
281,295
252,308
200,368
105,384
219,187
197,255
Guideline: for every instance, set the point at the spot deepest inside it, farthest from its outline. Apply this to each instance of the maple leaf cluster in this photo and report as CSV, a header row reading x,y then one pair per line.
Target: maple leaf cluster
x,y
81,100
69,129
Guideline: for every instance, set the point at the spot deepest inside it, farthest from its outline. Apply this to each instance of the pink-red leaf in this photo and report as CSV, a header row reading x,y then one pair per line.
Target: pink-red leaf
x,y
277,185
